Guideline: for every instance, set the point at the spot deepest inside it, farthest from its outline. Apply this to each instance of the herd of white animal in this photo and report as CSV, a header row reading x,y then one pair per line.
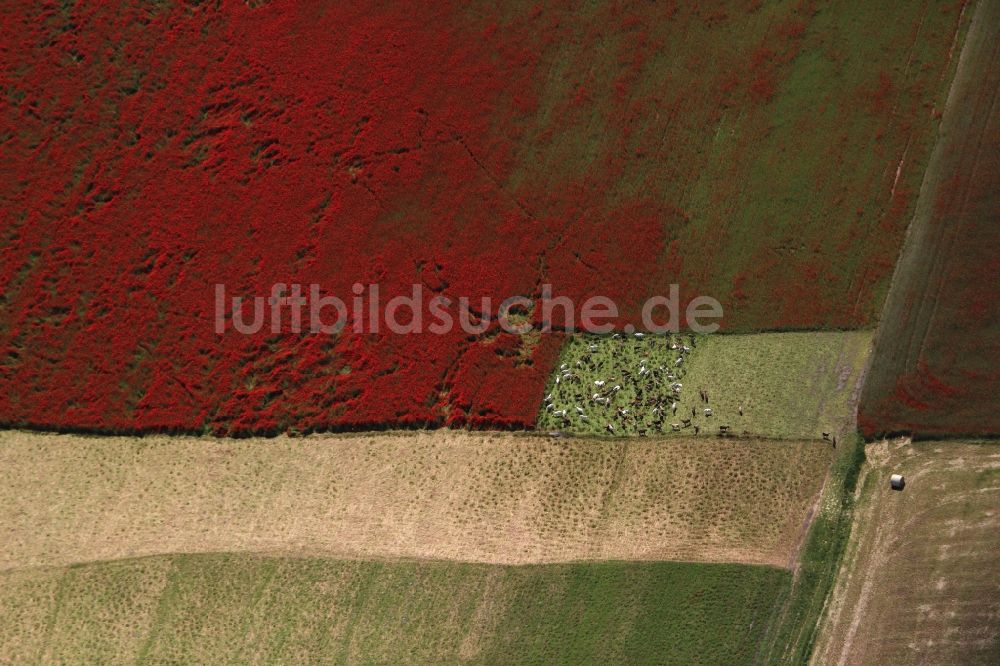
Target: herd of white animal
x,y
623,383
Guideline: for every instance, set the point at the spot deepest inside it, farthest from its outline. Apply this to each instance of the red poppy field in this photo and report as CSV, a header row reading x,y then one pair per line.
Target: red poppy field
x,y
768,155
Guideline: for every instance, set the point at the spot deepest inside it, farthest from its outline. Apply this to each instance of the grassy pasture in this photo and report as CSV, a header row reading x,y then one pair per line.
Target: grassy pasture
x,y
789,385
246,609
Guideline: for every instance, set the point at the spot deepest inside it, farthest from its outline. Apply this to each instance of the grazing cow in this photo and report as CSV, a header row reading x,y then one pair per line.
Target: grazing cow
x,y
610,428
740,408
826,436
696,430
686,422
599,383
676,427
708,411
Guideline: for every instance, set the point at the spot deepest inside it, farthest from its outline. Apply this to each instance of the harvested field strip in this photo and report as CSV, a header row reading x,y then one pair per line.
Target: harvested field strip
x,y
247,609
920,582
934,370
497,498
787,385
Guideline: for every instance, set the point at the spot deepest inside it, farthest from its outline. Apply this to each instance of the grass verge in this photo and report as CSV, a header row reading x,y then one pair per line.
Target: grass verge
x,y
791,639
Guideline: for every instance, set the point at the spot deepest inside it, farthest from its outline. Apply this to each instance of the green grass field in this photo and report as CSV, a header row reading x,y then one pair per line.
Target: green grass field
x,y
243,609
789,385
